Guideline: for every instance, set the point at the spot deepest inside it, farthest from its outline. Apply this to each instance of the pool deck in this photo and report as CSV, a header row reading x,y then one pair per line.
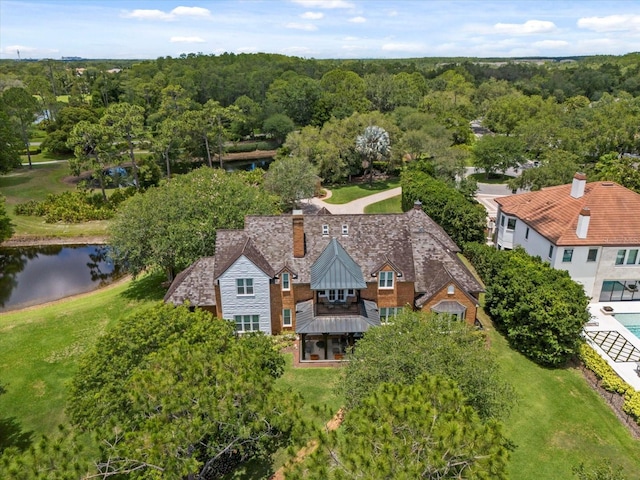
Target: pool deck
x,y
606,322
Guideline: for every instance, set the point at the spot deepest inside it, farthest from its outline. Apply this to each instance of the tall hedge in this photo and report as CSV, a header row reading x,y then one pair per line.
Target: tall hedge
x,y
462,219
541,311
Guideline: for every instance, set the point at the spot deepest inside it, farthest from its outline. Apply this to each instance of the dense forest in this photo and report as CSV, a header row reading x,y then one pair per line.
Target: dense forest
x,y
563,114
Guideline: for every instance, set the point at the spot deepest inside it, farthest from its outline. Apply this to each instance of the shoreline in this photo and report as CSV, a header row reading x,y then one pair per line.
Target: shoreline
x,y
29,241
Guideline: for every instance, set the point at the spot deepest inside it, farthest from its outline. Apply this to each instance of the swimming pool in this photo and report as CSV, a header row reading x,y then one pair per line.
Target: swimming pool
x,y
631,321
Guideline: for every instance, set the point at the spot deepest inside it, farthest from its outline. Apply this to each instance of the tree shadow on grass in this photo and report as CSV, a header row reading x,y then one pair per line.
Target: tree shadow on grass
x,y
11,435
146,287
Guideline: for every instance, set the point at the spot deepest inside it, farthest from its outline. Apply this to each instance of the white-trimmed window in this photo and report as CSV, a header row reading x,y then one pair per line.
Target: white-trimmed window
x,y
286,317
325,229
385,280
244,286
511,224
285,281
627,257
550,251
345,229
247,323
526,234
567,255
451,289
387,313
632,257
592,256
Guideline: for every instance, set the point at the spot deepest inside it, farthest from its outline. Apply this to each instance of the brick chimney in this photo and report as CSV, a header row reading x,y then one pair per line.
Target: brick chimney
x,y
577,187
583,222
417,205
298,234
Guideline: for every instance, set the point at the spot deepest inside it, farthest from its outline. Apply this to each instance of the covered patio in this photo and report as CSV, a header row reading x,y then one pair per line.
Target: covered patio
x,y
327,337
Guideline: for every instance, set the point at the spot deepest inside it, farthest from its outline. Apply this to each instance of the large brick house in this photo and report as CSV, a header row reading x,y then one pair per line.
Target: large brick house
x,y
329,278
592,230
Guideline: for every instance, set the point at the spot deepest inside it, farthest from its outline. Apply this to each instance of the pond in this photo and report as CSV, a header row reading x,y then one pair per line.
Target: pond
x,y
34,275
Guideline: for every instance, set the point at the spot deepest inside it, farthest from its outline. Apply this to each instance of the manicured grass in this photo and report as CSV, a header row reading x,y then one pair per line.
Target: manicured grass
x,y
24,184
39,348
494,179
44,157
347,193
559,421
390,205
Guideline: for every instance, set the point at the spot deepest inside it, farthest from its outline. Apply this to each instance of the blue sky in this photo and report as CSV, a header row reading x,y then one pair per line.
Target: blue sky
x,y
317,28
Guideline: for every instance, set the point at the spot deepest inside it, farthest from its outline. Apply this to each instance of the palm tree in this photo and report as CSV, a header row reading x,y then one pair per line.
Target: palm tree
x,y
373,145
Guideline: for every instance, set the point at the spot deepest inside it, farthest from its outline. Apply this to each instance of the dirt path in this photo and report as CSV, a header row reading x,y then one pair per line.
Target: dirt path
x,y
310,447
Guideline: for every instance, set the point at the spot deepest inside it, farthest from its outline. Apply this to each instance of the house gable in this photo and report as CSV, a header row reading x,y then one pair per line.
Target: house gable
x,y
237,299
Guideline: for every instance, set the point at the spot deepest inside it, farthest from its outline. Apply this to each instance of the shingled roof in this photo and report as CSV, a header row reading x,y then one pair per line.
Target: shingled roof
x,y
554,213
411,242
194,284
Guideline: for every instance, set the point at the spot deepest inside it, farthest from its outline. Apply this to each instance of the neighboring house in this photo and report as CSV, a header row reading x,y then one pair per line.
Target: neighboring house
x,y
592,230
329,278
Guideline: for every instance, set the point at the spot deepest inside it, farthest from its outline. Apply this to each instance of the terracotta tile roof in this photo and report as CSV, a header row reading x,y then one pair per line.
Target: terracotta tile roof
x,y
553,212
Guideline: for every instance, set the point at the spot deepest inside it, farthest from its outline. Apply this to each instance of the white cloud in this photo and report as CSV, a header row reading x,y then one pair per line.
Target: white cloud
x,y
24,49
191,12
143,14
312,15
550,44
187,40
350,39
324,3
358,20
296,50
611,23
393,13
301,26
527,28
403,47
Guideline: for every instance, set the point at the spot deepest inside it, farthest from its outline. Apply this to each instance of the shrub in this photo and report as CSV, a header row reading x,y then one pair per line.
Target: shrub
x,y
610,381
74,207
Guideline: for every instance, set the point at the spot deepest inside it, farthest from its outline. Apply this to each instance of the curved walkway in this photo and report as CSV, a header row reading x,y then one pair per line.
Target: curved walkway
x,y
355,206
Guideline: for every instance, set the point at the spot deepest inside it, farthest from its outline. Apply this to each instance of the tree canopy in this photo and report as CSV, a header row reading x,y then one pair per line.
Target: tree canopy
x,y
170,226
422,430
6,227
416,343
292,179
177,393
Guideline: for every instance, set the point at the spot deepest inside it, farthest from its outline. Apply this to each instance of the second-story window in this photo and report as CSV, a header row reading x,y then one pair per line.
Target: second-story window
x,y
244,286
285,282
325,229
345,229
567,255
385,280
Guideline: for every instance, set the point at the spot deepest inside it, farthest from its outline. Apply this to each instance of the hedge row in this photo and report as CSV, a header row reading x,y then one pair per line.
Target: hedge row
x,y
75,207
610,381
250,147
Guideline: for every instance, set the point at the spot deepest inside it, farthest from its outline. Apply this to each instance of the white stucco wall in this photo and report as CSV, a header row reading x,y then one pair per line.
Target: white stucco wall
x,y
590,275
257,304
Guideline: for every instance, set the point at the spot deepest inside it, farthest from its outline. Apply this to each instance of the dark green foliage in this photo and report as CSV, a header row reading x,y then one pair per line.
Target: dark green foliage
x,y
75,207
464,220
10,143
179,392
422,430
540,310
417,343
6,227
170,226
602,470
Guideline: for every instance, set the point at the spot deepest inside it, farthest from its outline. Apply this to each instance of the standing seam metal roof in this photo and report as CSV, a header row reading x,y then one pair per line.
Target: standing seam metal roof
x,y
335,269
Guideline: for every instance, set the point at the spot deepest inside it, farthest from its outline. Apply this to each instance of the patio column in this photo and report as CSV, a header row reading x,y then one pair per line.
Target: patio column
x,y
325,337
303,338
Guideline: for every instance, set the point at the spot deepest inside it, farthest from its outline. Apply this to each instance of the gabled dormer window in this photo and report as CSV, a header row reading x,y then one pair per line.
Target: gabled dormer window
x,y
385,280
451,290
285,281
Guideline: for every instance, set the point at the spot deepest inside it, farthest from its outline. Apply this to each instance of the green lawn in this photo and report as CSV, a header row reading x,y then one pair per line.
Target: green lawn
x,y
24,184
44,157
390,205
39,348
495,178
347,193
559,421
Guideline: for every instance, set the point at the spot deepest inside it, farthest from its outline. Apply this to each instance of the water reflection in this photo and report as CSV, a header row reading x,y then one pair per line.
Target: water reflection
x,y
33,275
